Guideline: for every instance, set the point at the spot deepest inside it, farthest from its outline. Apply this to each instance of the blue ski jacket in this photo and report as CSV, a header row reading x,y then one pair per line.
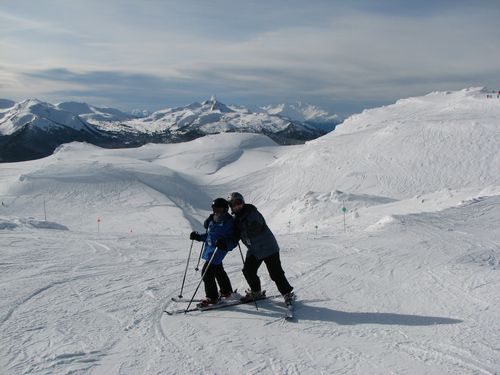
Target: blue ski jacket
x,y
223,229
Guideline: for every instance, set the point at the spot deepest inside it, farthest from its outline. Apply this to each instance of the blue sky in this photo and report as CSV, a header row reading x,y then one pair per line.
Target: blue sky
x,y
342,55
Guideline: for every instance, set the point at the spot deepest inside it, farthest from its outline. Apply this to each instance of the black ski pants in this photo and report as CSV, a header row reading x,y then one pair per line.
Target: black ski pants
x,y
273,264
215,273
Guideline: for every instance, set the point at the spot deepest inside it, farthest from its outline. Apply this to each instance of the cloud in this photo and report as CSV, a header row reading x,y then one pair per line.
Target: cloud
x,y
254,51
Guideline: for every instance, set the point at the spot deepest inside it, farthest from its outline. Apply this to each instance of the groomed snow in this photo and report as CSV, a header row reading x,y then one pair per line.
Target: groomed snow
x,y
410,287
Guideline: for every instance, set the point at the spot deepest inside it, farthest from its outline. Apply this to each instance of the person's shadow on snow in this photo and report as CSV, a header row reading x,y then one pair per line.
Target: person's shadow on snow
x,y
305,312
309,312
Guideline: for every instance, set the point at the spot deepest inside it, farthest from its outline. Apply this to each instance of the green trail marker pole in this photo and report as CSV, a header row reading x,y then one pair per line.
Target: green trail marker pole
x,y
344,210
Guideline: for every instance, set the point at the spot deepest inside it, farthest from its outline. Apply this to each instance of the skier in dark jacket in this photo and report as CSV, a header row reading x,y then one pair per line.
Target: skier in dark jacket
x,y
262,247
220,236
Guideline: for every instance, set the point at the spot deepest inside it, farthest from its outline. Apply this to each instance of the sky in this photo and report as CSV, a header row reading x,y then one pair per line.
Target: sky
x,y
344,56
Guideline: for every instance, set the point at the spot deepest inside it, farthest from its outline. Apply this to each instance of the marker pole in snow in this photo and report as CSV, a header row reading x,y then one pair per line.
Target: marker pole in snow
x,y
344,210
44,210
197,268
202,277
185,272
98,224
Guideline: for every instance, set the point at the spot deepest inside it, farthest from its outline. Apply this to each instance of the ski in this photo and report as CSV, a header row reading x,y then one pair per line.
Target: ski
x,y
289,314
219,305
179,299
183,299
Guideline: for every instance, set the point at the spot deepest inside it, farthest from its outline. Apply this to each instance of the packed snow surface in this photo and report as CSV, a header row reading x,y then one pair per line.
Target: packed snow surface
x,y
94,243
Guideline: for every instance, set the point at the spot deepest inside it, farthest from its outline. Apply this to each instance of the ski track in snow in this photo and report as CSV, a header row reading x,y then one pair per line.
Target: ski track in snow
x,y
363,306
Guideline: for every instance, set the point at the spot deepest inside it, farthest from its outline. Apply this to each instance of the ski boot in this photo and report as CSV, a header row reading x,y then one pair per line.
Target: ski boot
x,y
252,295
289,298
206,303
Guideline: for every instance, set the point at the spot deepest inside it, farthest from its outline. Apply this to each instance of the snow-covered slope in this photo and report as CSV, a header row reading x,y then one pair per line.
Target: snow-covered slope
x,y
6,103
410,286
442,141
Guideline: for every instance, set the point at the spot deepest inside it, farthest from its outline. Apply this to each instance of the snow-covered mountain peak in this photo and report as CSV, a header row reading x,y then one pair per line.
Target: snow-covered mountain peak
x,y
75,107
306,113
92,113
301,112
212,116
37,114
214,105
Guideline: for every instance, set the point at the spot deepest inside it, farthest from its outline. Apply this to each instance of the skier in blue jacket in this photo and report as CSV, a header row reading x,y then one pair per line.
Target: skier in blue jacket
x,y
220,236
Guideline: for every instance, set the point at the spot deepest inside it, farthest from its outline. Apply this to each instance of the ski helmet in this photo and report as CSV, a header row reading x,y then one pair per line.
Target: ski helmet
x,y
221,203
236,197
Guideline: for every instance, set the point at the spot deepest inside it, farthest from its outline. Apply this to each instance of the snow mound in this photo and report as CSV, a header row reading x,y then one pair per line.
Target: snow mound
x,y
81,183
382,223
15,223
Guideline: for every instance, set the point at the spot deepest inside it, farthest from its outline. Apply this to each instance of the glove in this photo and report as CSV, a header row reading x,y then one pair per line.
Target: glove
x,y
221,243
195,236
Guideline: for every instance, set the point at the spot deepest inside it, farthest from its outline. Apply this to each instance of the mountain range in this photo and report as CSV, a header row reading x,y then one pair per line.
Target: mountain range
x,y
32,129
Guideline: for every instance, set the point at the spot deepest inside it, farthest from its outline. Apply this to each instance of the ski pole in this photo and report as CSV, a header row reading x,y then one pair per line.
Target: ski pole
x,y
201,252
241,253
185,272
202,277
243,260
199,258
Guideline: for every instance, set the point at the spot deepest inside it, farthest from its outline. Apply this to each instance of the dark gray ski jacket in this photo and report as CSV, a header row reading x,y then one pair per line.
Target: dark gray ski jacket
x,y
254,232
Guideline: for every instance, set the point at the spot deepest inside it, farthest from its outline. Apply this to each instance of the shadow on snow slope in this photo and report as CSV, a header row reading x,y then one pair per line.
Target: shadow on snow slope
x,y
309,312
313,313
